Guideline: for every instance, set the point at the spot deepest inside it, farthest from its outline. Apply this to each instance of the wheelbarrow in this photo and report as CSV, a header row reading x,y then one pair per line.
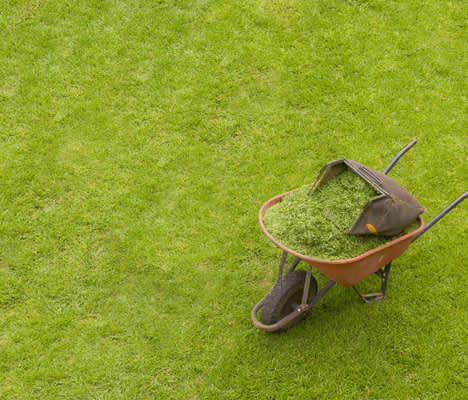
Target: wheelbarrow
x,y
295,292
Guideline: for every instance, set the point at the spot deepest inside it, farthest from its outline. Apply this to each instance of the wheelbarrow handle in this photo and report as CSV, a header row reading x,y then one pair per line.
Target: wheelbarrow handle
x,y
444,212
398,156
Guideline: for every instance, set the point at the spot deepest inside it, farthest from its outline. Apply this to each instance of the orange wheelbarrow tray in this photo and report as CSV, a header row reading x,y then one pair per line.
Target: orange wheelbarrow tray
x,y
295,293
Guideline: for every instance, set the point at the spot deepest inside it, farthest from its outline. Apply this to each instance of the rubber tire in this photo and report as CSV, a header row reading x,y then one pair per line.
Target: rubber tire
x,y
282,296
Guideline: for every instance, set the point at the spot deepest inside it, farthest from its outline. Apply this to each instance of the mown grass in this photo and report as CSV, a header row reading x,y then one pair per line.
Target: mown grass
x,y
139,139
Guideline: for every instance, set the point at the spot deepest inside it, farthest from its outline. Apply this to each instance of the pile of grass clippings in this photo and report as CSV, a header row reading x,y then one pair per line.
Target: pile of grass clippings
x,y
316,224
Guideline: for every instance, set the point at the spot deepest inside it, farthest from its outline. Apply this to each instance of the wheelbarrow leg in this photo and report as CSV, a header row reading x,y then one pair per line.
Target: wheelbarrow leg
x,y
374,297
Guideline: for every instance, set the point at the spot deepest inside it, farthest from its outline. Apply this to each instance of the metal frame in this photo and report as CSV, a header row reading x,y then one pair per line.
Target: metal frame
x,y
398,156
443,213
375,297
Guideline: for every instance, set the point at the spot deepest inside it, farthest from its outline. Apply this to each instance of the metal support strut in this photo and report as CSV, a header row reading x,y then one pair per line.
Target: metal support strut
x,y
374,297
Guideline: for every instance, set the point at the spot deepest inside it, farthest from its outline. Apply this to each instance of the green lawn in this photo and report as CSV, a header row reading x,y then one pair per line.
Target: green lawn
x,y
138,139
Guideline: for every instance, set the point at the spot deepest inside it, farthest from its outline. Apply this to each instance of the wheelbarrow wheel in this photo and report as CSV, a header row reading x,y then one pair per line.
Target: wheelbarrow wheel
x,y
285,296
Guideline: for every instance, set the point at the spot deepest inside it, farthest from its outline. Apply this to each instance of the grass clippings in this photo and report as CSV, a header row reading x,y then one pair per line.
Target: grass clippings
x,y
317,223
